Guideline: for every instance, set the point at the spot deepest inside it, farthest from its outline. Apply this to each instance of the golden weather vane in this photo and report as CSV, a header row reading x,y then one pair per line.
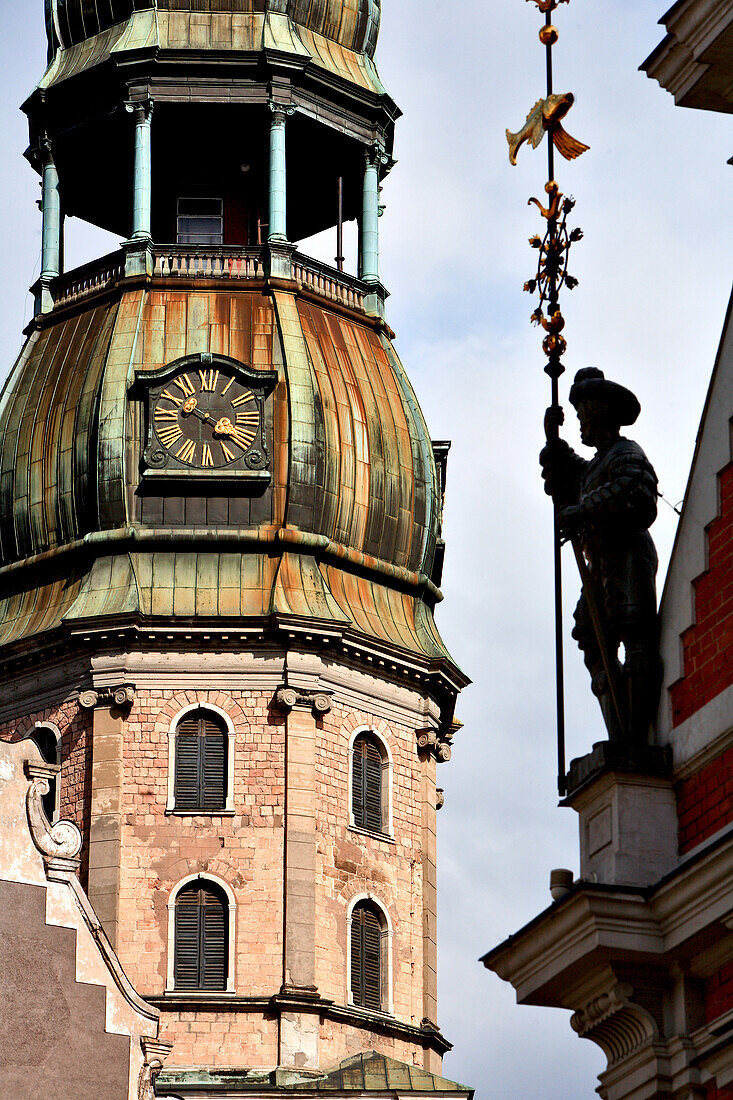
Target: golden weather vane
x,y
552,275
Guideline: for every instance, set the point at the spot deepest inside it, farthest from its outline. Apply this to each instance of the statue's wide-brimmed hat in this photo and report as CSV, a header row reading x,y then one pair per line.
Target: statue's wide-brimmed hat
x,y
591,385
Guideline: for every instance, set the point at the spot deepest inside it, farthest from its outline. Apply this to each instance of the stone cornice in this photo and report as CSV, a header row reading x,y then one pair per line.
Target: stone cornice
x,y
427,1035
682,63
553,956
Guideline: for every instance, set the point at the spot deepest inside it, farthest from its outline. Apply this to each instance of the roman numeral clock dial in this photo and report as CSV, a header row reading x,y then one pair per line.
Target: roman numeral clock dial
x,y
207,420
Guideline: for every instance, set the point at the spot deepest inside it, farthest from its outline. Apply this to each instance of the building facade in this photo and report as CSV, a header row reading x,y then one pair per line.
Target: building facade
x,y
640,948
220,544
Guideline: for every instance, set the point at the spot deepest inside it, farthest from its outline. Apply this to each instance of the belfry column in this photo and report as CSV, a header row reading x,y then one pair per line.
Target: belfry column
x,y
374,158
369,251
51,232
277,235
138,248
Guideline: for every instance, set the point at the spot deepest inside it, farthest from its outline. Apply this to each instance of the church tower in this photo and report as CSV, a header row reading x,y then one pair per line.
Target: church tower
x,y
220,544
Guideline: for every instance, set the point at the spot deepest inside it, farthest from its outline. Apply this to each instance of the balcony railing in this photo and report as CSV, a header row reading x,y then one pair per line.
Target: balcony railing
x,y
179,262
173,261
89,279
327,282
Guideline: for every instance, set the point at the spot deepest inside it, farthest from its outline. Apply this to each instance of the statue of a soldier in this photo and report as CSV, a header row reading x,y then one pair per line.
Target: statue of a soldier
x,y
606,506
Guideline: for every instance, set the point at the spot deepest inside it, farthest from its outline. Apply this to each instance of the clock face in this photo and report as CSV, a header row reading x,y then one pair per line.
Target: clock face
x,y
207,419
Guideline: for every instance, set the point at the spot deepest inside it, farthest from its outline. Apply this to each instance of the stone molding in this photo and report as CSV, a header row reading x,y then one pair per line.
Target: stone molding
x,y
427,1034
122,695
287,698
603,940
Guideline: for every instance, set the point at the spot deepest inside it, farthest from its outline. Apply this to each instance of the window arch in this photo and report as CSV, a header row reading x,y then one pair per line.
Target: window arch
x,y
47,737
200,761
370,783
369,956
201,937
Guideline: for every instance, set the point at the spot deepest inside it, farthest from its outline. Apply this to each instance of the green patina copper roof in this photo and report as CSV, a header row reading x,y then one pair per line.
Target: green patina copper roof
x,y
339,36
369,1073
345,534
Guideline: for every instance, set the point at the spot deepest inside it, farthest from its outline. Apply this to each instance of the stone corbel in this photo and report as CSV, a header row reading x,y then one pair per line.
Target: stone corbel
x,y
59,844
155,1052
121,696
287,698
616,1024
439,798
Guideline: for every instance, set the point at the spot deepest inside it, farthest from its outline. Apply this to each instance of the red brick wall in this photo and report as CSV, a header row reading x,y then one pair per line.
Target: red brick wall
x,y
245,850
708,644
351,863
705,801
719,993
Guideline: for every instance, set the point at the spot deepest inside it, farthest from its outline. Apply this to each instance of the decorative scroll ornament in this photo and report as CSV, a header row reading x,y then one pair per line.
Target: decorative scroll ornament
x,y
617,1025
439,744
286,698
121,696
60,841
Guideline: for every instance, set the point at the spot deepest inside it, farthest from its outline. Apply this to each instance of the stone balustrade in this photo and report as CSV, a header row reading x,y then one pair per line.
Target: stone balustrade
x,y
180,262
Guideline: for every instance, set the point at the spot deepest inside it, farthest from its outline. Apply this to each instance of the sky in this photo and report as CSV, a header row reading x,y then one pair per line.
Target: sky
x,y
653,201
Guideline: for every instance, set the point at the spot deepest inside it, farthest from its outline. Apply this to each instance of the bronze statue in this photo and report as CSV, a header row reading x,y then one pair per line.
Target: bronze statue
x,y
606,506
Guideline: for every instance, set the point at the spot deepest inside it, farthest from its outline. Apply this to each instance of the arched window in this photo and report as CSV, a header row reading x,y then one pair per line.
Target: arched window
x,y
48,740
201,949
369,964
369,784
201,762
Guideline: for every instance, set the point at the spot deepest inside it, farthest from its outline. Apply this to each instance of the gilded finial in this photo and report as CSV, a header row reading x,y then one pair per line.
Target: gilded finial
x,y
548,5
545,117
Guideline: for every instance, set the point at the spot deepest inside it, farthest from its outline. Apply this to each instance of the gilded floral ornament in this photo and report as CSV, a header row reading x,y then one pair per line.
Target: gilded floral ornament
x,y
546,6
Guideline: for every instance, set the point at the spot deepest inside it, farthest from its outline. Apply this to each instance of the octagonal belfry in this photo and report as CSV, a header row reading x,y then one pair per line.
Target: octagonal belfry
x,y
220,543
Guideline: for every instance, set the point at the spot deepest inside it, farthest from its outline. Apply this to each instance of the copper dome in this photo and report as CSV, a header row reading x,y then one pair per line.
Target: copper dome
x,y
353,24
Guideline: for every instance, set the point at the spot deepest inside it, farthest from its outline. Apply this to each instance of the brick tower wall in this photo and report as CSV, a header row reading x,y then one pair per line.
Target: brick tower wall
x,y
245,850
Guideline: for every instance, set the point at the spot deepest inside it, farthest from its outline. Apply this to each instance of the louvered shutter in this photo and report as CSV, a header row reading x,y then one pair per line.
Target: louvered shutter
x,y
187,955
214,743
357,784
201,930
201,764
188,765
366,958
213,942
366,784
373,787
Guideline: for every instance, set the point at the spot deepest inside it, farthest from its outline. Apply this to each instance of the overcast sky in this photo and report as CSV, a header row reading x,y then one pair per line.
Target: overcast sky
x,y
654,270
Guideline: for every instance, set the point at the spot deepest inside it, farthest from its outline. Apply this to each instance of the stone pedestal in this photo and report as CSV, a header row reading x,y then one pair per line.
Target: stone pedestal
x,y
628,816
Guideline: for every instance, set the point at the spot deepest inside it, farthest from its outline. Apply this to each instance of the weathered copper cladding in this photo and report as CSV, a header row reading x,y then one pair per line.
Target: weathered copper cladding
x,y
338,34
345,533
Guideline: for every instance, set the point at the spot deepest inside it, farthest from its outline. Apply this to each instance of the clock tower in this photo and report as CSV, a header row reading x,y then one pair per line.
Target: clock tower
x,y
220,544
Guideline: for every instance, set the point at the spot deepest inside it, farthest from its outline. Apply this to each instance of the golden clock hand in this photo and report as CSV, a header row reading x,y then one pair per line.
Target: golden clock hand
x,y
189,405
224,426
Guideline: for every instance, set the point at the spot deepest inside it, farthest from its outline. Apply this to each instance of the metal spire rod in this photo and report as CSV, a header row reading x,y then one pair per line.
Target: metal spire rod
x,y
552,274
